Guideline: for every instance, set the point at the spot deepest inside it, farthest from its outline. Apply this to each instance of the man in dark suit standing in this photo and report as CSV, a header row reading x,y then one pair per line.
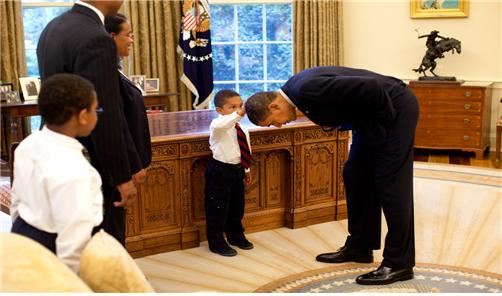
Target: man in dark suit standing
x,y
382,113
77,42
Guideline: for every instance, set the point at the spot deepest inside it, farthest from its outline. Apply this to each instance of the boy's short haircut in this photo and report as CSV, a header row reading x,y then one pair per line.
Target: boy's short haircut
x,y
63,95
221,97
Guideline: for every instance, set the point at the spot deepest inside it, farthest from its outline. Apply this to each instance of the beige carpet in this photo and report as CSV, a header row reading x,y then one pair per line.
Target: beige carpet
x,y
458,226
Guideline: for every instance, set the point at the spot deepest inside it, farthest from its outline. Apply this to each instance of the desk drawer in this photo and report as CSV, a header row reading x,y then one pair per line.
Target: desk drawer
x,y
447,138
448,93
453,106
449,122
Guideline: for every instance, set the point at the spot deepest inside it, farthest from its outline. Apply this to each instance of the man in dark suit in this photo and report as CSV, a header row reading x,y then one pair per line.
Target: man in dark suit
x,y
382,113
77,42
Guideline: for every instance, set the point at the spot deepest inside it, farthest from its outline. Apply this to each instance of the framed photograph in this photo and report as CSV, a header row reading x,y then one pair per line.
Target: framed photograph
x,y
139,80
30,87
5,89
6,86
152,85
439,8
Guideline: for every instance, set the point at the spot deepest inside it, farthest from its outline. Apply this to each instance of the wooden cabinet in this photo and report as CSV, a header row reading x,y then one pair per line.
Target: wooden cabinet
x,y
296,181
453,116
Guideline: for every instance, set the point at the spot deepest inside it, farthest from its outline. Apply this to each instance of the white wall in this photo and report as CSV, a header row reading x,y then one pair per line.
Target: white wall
x,y
381,36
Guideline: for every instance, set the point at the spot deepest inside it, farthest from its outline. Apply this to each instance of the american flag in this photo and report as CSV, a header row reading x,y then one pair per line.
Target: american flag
x,y
189,22
195,49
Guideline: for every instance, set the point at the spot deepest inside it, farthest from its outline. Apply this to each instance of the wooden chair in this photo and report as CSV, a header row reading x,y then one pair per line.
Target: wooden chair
x,y
497,140
497,144
13,147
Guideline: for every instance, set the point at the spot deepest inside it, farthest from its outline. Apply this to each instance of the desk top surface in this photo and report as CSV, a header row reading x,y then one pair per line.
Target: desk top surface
x,y
196,123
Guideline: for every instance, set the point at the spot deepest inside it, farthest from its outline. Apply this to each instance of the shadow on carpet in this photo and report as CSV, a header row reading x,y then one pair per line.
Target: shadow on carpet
x,y
429,278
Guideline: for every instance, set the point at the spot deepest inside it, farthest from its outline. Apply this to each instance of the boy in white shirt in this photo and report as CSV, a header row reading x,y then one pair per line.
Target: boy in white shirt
x,y
56,193
226,176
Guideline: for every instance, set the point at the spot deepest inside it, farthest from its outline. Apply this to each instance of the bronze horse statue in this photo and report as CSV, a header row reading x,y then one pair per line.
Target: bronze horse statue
x,y
444,45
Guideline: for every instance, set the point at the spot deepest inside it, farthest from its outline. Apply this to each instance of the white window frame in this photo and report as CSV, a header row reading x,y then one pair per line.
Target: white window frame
x,y
264,42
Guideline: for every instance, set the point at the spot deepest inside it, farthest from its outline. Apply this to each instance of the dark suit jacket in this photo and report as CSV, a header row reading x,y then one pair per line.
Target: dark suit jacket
x,y
139,144
335,96
77,42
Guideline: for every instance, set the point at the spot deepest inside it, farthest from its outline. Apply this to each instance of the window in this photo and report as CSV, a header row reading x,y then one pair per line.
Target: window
x,y
36,15
252,46
252,43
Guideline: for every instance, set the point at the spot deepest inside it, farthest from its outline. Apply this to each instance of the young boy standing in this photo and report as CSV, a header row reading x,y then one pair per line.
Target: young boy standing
x,y
226,176
56,193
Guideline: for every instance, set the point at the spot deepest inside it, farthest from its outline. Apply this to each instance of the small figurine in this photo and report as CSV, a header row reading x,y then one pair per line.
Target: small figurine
x,y
435,49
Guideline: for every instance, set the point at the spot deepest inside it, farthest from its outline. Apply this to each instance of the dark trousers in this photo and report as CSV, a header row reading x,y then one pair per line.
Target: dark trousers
x,y
381,178
113,217
224,202
46,239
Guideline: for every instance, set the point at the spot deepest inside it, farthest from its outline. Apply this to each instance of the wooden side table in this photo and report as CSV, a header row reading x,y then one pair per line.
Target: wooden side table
x,y
453,115
12,112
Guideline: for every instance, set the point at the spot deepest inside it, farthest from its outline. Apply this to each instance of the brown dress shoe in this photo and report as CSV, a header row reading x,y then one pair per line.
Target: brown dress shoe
x,y
385,275
345,254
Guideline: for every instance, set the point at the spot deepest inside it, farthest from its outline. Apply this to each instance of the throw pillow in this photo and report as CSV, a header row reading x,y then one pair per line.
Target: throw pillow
x,y
106,266
27,266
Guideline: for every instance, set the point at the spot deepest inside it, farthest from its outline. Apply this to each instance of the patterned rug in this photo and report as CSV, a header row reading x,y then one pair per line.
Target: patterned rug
x,y
429,278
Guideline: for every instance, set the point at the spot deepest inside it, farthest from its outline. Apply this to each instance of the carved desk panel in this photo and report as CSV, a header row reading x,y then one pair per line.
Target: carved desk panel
x,y
296,181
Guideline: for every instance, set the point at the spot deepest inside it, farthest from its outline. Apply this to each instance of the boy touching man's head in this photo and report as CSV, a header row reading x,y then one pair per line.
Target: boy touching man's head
x,y
227,175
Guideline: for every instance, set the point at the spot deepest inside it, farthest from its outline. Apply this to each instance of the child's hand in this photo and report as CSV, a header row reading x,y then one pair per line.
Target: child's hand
x,y
247,179
242,111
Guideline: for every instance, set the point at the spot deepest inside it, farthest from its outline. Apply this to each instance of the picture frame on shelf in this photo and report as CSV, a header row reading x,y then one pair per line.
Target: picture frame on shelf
x,y
5,88
152,85
139,81
439,9
30,87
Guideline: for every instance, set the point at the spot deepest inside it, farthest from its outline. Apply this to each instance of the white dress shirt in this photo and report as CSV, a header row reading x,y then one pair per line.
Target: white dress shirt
x,y
223,139
285,96
57,190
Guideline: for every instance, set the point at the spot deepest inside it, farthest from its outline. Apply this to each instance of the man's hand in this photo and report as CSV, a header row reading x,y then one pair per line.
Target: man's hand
x,y
247,179
139,177
127,194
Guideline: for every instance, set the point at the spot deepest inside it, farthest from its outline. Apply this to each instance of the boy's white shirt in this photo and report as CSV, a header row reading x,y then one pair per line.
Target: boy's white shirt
x,y
223,139
57,190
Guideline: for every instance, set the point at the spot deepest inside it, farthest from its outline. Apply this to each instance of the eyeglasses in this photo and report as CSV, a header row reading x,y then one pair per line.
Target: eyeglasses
x,y
100,110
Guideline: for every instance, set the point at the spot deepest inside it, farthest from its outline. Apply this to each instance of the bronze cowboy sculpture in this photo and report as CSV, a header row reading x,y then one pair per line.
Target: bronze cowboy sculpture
x,y
435,49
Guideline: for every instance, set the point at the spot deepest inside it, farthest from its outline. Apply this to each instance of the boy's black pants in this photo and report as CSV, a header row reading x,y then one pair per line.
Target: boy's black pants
x,y
224,202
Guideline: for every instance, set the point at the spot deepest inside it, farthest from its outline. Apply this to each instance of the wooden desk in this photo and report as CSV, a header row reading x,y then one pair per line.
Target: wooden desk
x,y
296,181
158,101
14,111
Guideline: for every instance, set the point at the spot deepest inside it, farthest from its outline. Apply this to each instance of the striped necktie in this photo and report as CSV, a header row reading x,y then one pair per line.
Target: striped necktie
x,y
244,147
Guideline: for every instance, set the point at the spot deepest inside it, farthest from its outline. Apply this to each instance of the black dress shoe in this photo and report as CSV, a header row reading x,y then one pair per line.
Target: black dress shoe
x,y
345,254
224,250
385,275
242,243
